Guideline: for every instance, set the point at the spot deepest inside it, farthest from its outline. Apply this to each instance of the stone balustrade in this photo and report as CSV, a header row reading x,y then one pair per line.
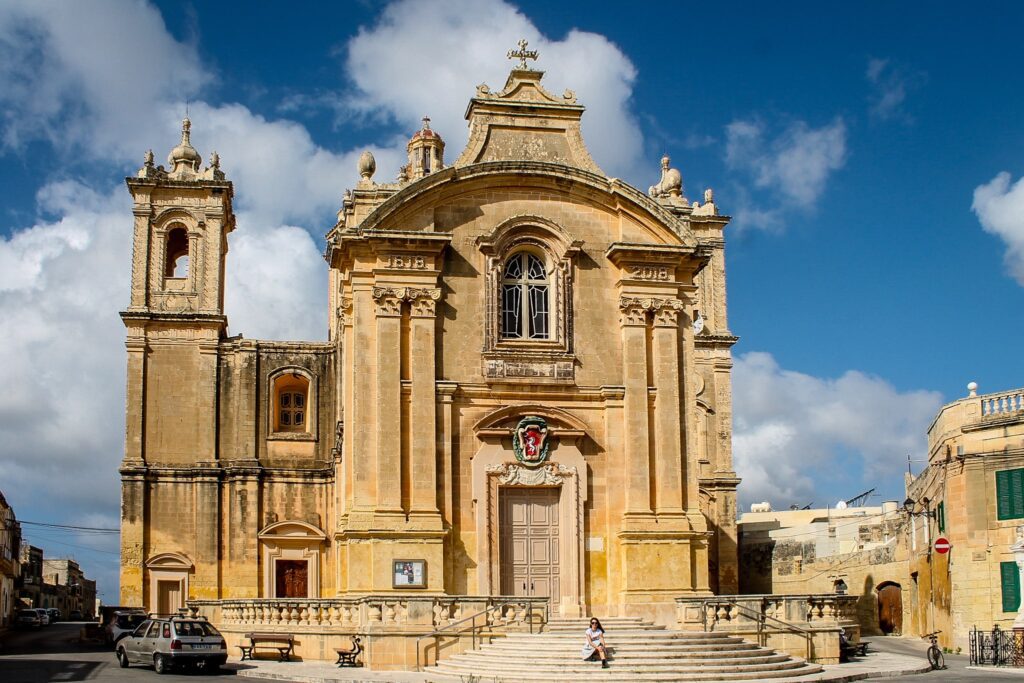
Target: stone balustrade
x,y
815,617
418,612
389,624
1002,404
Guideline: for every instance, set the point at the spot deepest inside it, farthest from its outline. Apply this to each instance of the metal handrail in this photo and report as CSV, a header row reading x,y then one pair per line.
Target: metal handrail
x,y
436,633
762,623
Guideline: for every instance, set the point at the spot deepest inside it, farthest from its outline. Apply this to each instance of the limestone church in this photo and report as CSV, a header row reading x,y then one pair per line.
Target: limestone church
x,y
525,390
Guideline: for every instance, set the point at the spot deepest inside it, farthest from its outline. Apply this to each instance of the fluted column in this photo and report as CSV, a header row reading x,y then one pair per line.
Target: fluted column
x,y
633,320
389,391
668,484
422,311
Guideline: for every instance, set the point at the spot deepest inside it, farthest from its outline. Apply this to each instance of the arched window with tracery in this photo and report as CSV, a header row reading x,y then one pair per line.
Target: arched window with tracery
x,y
525,298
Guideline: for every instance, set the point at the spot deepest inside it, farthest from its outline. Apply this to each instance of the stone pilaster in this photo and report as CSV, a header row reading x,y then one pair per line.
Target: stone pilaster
x,y
133,535
388,303
668,465
633,322
423,413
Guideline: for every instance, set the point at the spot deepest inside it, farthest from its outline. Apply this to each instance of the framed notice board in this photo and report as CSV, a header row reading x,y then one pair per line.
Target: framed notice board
x,y
409,574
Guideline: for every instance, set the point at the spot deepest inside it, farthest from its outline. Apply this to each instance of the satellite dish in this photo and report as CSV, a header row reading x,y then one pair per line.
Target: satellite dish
x,y
841,505
698,324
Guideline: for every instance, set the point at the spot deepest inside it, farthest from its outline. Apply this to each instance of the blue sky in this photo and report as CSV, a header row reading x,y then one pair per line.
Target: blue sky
x,y
871,155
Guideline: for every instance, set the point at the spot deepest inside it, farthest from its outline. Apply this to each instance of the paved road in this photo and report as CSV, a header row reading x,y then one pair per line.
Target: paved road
x,y
53,654
956,665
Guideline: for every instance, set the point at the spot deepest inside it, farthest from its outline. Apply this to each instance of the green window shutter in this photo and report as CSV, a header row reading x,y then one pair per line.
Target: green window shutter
x,y
1010,494
1010,581
941,517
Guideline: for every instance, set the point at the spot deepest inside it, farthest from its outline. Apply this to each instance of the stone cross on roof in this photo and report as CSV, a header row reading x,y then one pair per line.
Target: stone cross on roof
x,y
522,54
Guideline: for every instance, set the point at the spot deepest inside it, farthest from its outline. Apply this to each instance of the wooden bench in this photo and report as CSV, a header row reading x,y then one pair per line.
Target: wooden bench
x,y
347,656
284,652
846,650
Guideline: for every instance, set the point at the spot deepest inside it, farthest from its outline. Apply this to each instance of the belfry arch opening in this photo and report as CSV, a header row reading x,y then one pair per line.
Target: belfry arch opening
x,y
177,258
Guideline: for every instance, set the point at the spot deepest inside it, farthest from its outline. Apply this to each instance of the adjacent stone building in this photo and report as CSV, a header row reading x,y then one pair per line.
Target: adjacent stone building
x,y
971,494
10,562
525,390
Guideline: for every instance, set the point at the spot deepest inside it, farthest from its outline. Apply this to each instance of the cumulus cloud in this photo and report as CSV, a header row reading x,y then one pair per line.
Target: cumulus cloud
x,y
74,75
890,84
793,166
999,206
793,431
466,41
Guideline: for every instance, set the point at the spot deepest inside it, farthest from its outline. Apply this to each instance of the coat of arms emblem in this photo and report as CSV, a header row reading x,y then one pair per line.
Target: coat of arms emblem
x,y
530,440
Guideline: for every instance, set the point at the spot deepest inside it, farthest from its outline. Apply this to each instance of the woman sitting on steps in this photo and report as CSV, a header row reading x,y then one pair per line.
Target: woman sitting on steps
x,y
595,643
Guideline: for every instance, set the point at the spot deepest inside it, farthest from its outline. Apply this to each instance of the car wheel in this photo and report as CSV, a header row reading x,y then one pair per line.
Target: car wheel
x,y
122,658
160,664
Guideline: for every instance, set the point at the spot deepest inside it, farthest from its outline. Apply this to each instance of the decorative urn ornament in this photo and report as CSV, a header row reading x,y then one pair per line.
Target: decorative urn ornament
x,y
530,440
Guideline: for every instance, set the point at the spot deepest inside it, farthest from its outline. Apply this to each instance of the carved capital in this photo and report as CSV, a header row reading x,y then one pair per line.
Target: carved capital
x,y
633,311
423,301
666,312
388,301
345,310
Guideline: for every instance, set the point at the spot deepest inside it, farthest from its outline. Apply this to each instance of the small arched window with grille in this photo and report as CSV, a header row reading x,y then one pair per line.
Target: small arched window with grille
x,y
525,298
291,409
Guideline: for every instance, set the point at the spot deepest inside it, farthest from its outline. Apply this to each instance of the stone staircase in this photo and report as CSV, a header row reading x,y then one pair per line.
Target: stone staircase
x,y
639,651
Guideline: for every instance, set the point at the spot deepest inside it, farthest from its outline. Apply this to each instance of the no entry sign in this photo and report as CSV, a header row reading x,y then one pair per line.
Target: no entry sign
x,y
942,546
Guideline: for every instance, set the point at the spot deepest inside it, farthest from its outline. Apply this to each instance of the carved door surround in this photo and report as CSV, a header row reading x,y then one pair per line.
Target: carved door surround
x,y
168,568
494,466
291,540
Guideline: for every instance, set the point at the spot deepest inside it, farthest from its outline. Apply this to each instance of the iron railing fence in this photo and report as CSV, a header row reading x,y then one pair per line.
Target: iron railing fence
x,y
996,647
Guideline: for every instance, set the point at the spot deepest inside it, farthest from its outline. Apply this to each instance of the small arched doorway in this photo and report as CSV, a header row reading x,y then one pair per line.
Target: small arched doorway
x,y
890,608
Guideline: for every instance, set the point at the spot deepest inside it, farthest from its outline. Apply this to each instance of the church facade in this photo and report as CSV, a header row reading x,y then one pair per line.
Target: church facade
x,y
525,390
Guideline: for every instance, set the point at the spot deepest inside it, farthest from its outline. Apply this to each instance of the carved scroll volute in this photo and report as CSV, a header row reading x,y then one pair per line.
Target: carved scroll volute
x,y
666,312
388,301
423,302
633,311
345,311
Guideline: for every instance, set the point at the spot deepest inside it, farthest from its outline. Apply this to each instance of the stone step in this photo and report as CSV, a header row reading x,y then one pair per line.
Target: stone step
x,y
456,663
653,655
534,659
677,651
596,673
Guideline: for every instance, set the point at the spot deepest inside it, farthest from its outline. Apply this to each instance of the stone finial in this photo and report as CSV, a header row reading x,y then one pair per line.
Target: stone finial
x,y
972,389
522,54
671,183
215,160
709,196
184,159
403,173
367,165
148,159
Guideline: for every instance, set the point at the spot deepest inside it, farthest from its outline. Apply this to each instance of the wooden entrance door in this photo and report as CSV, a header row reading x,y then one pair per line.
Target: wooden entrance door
x,y
168,597
529,541
890,609
292,578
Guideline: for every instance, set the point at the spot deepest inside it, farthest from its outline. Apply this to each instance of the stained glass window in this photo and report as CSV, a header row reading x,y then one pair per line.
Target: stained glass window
x,y
525,292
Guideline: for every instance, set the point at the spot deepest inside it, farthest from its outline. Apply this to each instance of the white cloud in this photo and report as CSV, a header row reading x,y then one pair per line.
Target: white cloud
x,y
890,84
793,166
1000,209
89,75
427,56
794,432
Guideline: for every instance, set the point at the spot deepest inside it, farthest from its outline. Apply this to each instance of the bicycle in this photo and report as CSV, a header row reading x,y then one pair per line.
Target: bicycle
x,y
935,658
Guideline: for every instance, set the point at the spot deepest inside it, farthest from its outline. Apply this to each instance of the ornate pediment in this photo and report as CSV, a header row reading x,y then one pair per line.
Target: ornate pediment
x,y
525,122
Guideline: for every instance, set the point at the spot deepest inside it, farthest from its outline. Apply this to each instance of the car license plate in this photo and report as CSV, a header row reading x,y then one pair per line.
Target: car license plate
x,y
201,647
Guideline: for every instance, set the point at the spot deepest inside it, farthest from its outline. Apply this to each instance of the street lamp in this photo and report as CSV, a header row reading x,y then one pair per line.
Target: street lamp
x,y
909,504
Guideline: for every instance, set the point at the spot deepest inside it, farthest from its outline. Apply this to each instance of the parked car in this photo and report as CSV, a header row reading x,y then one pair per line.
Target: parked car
x,y
75,615
28,618
174,642
54,614
123,623
44,615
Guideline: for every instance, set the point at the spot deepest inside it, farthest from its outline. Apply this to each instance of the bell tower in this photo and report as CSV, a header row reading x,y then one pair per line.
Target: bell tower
x,y
182,218
175,322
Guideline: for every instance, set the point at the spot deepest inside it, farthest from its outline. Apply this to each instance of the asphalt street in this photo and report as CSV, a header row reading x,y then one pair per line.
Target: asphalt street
x,y
956,665
53,653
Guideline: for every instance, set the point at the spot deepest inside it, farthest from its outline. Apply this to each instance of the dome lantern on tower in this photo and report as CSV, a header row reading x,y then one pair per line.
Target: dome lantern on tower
x,y
426,151
184,160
